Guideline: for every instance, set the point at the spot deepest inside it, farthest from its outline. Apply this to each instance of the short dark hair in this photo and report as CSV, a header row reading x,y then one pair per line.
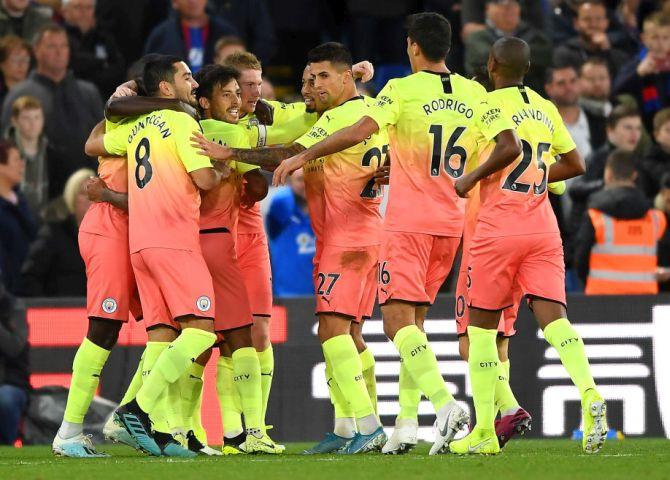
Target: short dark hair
x,y
50,27
159,68
594,61
619,113
5,146
622,164
549,72
211,76
432,32
332,52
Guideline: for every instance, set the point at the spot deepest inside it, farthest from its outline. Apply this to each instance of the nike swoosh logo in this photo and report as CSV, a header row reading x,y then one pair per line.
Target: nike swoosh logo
x,y
479,445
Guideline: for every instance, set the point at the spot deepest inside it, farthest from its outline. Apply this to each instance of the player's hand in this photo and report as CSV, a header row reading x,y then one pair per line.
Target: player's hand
x,y
127,89
364,71
463,185
264,112
210,149
286,168
382,174
224,169
95,189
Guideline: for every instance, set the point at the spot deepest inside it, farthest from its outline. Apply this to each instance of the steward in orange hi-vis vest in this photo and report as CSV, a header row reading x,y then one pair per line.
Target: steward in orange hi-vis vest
x,y
623,260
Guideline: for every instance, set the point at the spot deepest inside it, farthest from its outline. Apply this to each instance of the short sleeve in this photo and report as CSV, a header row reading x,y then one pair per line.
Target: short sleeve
x,y
562,141
184,126
386,109
324,127
116,138
489,118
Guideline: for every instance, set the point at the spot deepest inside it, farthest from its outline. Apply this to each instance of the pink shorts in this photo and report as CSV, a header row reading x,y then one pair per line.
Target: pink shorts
x,y
172,284
345,281
499,266
413,266
232,301
254,261
507,318
111,291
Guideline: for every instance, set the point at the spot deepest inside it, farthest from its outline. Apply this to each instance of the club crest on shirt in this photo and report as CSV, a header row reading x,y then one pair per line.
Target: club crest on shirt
x,y
109,305
203,303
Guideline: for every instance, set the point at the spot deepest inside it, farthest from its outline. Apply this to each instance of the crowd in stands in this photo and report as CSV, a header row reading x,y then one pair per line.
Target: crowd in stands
x,y
604,63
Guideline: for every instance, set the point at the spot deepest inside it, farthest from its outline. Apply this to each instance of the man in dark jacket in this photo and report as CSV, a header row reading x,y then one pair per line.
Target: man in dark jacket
x,y
14,368
71,106
647,76
620,199
94,55
21,18
624,129
254,23
656,163
503,19
592,39
189,34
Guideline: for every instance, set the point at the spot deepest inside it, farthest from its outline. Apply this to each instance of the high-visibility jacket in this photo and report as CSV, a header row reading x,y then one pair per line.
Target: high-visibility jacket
x,y
623,259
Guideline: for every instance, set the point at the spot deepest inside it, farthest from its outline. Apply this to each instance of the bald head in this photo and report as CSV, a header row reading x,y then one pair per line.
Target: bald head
x,y
510,58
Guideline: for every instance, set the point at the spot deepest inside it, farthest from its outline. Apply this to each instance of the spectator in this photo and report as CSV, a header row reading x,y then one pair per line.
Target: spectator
x,y
71,106
473,15
14,369
292,241
20,18
503,18
616,249
14,63
268,90
253,21
564,89
663,204
53,267
595,85
624,130
226,46
647,77
377,30
27,133
189,34
591,40
130,30
17,224
94,54
656,164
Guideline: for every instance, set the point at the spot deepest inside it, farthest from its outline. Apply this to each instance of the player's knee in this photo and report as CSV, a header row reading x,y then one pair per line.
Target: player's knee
x,y
260,334
103,333
239,338
161,333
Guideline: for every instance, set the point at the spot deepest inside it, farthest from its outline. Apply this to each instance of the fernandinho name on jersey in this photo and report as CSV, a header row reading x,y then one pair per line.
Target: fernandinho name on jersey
x,y
151,120
533,114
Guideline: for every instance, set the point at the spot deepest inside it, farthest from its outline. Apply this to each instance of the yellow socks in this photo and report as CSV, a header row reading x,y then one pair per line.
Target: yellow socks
x,y
86,368
345,424
247,379
266,359
483,362
346,365
172,363
565,339
229,398
368,367
505,401
420,361
410,395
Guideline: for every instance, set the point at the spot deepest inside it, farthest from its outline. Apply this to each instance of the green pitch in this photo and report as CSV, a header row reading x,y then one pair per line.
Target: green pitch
x,y
523,459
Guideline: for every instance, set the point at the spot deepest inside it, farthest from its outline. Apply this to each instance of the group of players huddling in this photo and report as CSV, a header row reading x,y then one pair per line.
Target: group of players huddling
x,y
176,224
